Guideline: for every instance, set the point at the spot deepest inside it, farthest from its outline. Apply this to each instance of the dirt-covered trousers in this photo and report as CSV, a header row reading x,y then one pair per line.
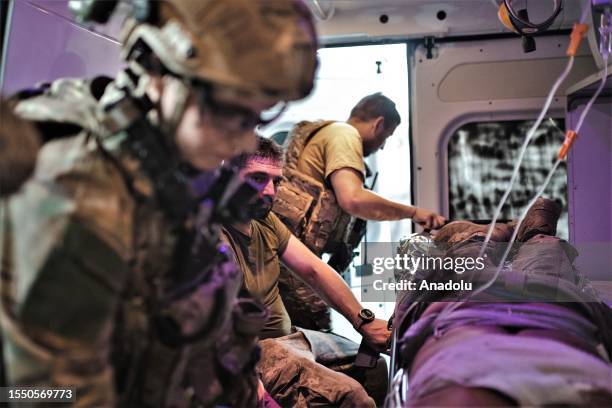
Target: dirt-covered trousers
x,y
290,373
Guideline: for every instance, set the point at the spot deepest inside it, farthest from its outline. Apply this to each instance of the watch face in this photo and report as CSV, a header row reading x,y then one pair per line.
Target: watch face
x,y
366,314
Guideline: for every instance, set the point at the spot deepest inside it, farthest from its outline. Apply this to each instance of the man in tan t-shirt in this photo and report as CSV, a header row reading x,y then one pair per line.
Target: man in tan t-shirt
x,y
287,367
333,156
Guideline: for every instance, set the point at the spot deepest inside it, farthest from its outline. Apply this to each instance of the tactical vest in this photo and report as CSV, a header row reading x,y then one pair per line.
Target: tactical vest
x,y
308,207
167,347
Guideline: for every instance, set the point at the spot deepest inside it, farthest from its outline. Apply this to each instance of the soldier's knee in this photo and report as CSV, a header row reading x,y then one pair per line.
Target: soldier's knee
x,y
273,348
278,357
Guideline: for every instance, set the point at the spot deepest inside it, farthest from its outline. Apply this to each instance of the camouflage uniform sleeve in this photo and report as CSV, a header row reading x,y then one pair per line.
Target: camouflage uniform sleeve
x,y
60,286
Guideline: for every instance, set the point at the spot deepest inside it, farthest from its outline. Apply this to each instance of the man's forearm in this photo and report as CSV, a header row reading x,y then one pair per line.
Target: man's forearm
x,y
371,206
334,290
362,203
322,278
330,286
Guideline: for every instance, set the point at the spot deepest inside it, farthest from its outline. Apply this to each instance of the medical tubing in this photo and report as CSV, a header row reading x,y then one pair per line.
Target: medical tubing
x,y
592,100
399,388
544,185
517,166
397,391
577,34
399,384
585,11
516,230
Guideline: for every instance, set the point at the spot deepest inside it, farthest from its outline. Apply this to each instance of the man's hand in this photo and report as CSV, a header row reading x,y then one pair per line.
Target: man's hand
x,y
376,334
428,219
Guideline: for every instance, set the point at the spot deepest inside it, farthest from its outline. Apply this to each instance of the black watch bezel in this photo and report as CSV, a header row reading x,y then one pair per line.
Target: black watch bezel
x,y
366,316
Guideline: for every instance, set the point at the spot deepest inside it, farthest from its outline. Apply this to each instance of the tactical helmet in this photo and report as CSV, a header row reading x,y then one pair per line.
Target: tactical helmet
x,y
258,48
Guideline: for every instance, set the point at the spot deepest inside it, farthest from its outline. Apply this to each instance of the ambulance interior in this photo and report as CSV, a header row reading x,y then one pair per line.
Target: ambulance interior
x,y
469,93
467,90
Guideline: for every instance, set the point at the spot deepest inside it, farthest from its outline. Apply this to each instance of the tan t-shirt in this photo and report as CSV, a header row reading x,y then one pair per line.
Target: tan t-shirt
x,y
261,268
336,146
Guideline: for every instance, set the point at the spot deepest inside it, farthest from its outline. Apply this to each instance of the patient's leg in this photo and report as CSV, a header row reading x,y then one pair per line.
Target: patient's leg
x,y
459,231
542,256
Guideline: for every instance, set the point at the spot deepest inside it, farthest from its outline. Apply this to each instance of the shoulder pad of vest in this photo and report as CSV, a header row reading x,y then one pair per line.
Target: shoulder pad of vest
x,y
302,131
297,139
307,125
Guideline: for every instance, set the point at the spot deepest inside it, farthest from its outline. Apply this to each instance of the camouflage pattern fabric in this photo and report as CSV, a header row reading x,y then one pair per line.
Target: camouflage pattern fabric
x,y
291,374
310,211
305,205
19,144
221,42
305,308
338,353
85,255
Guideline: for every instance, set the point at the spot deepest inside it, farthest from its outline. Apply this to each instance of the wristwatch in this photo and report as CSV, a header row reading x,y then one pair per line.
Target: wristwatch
x,y
366,316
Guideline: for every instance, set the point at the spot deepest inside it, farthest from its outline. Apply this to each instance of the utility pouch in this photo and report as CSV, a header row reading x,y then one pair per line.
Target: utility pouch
x,y
295,200
323,221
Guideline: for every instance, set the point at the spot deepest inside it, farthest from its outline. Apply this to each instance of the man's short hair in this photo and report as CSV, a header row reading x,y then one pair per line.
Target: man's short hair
x,y
374,106
267,149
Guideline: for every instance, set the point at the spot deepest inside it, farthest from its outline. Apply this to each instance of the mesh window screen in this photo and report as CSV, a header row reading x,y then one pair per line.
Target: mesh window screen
x,y
481,157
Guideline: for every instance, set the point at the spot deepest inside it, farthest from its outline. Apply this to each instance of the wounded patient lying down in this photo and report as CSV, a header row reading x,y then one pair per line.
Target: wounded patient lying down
x,y
539,335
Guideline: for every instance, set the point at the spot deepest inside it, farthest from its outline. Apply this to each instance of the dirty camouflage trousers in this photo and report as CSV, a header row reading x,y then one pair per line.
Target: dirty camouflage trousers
x,y
290,373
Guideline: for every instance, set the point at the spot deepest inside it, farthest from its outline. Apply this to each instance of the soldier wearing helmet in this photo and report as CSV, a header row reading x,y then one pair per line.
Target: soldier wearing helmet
x,y
114,280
